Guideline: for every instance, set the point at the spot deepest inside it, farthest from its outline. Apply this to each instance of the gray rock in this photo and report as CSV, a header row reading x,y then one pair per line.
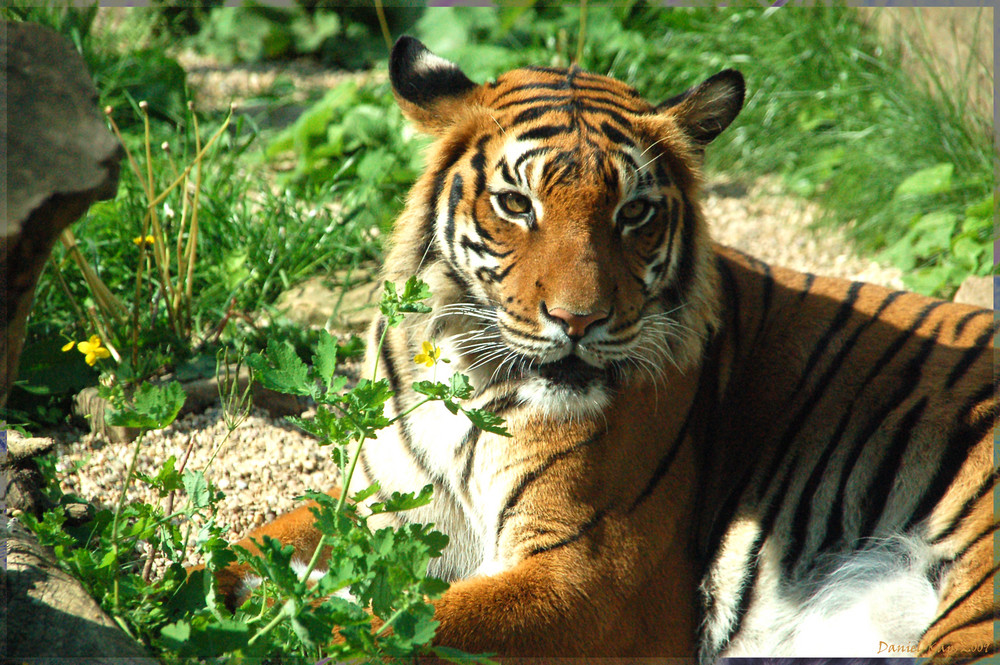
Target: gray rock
x,y
60,159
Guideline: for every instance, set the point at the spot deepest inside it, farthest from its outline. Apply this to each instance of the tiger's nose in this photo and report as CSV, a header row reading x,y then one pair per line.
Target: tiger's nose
x,y
576,324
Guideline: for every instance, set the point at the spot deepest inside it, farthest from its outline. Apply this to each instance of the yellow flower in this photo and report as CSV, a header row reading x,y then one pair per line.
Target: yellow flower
x,y
93,350
138,240
429,354
68,345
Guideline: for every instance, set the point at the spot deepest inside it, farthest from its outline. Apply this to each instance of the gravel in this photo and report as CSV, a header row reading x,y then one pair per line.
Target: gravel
x,y
266,462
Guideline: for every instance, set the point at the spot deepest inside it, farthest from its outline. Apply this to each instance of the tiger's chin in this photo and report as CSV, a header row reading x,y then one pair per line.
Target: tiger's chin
x,y
566,389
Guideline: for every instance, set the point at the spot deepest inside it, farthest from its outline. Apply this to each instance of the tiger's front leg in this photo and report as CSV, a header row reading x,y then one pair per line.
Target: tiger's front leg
x,y
296,528
575,600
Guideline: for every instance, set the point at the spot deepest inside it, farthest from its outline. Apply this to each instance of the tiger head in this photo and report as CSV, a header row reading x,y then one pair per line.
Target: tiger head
x,y
558,224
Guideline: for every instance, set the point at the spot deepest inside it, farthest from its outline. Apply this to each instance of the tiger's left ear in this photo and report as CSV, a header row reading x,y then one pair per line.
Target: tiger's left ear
x,y
706,109
430,90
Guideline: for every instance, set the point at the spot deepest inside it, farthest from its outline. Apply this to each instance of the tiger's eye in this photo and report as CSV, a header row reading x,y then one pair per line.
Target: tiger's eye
x,y
514,203
634,211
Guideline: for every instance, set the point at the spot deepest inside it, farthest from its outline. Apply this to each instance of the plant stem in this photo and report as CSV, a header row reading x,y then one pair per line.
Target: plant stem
x,y
271,625
118,511
386,35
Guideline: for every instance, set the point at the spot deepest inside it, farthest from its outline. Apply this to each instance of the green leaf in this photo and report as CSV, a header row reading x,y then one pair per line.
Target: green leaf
x,y
197,489
280,369
365,493
418,625
167,479
925,182
325,359
982,208
200,638
460,386
276,564
432,389
151,407
414,291
398,501
487,421
460,657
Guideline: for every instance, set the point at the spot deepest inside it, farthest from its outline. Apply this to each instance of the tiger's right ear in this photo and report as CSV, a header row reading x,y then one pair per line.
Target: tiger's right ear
x,y
430,90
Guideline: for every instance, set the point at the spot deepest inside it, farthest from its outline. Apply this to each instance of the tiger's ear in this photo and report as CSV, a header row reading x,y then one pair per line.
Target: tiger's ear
x,y
430,90
706,109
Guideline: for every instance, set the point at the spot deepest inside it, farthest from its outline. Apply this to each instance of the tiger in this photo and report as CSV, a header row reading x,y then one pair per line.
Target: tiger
x,y
709,456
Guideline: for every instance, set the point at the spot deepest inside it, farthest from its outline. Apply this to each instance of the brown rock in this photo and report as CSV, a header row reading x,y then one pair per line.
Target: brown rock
x,y
317,303
977,291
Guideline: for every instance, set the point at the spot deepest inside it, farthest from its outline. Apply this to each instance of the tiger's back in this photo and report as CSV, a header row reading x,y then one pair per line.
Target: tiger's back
x,y
708,454
866,509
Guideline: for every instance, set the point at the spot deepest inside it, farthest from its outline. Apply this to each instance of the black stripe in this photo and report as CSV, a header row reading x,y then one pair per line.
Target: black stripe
x,y
954,605
453,273
562,86
906,381
876,495
547,99
478,164
505,172
481,248
454,198
963,438
427,230
765,308
471,440
668,458
558,71
807,286
587,526
803,413
591,129
536,112
701,402
979,347
819,352
560,164
731,293
614,134
801,520
544,132
986,533
482,230
967,507
520,319
965,320
678,291
532,476
485,274
528,154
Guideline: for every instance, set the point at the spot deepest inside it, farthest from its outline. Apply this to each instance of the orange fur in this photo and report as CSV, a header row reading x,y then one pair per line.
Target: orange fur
x,y
773,399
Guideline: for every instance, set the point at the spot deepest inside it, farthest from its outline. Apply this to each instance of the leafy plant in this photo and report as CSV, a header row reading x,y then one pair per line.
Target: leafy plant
x,y
356,142
337,35
372,602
